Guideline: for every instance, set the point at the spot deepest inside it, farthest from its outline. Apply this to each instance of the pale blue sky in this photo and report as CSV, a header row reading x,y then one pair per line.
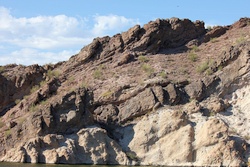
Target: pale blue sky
x,y
48,31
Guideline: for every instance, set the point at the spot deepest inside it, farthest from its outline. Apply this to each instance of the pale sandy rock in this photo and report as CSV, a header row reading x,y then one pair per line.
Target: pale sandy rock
x,y
213,131
90,145
164,137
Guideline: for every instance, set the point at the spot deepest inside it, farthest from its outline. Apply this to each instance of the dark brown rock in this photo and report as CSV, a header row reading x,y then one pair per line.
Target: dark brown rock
x,y
136,106
107,115
215,32
195,90
173,94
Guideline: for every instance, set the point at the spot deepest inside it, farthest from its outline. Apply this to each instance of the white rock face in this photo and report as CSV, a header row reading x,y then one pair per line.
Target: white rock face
x,y
89,146
168,138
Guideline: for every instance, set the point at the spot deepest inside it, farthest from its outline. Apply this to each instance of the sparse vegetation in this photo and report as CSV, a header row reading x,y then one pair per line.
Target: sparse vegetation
x,y
33,108
44,102
220,67
203,67
97,74
240,40
143,59
17,101
2,68
83,85
132,156
211,114
163,74
53,73
71,80
34,89
25,97
107,94
183,71
195,49
209,71
206,67
192,56
213,40
42,83
7,133
147,68
1,124
21,120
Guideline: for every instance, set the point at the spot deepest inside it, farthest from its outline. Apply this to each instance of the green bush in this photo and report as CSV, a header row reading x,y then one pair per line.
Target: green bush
x,y
240,40
107,94
17,101
203,67
53,73
34,89
147,68
7,133
195,49
97,74
213,40
2,68
209,71
1,124
132,156
192,56
33,108
143,59
163,74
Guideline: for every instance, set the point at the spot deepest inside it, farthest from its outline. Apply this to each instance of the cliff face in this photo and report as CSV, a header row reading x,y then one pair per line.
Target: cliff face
x,y
168,93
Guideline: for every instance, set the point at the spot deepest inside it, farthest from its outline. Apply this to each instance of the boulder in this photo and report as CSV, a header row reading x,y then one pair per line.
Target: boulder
x,y
137,106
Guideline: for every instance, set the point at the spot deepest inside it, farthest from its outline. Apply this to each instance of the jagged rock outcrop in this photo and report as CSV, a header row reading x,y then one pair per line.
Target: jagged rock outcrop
x,y
152,37
168,93
16,82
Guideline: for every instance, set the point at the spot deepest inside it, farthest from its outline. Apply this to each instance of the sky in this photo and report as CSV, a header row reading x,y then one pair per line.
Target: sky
x,y
49,31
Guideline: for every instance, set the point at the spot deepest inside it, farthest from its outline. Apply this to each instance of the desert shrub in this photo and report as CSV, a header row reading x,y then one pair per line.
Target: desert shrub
x,y
163,74
203,67
192,56
2,68
53,73
213,40
7,133
143,59
34,89
33,108
83,84
17,101
25,97
1,124
97,74
147,68
209,71
195,49
107,94
42,83
240,40
220,67
132,156
44,102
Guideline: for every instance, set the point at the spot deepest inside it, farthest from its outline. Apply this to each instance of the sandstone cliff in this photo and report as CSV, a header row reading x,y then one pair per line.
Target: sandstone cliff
x,y
168,93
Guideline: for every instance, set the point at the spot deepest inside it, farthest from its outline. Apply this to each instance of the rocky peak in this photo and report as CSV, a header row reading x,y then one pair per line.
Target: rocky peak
x,y
149,39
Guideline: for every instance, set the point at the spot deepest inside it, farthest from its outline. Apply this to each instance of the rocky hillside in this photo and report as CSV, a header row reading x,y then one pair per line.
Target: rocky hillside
x,y
168,93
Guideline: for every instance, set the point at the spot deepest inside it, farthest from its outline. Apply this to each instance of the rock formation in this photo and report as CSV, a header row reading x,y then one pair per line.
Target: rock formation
x,y
168,93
